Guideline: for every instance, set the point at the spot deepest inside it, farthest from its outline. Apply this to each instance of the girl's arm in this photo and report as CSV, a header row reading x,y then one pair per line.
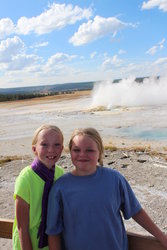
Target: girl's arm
x,y
146,222
54,242
22,217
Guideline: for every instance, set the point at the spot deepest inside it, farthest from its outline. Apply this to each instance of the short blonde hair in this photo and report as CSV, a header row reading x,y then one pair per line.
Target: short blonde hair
x,y
46,126
94,135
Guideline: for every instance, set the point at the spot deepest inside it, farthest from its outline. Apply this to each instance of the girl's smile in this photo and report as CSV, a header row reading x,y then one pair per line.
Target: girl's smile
x,y
84,155
48,147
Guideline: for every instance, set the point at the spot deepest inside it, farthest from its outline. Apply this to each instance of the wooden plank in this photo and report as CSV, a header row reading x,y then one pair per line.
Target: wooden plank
x,y
141,242
136,241
6,228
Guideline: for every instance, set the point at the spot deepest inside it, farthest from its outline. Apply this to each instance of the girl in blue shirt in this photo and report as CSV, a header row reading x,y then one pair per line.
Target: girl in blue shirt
x,y
86,206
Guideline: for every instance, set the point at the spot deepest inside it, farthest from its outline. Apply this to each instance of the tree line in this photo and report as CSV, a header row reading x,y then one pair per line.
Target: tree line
x,y
14,97
21,96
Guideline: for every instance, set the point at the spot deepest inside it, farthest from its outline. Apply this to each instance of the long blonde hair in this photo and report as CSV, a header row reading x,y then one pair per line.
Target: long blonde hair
x,y
94,135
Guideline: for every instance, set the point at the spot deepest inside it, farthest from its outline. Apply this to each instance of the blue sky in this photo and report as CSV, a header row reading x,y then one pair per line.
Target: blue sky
x,y
50,42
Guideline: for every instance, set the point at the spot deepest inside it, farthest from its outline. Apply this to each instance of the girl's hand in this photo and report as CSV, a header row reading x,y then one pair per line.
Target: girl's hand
x,y
143,219
164,240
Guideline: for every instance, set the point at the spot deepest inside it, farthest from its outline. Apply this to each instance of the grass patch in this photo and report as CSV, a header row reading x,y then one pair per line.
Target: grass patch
x,y
143,149
165,148
7,159
147,150
110,147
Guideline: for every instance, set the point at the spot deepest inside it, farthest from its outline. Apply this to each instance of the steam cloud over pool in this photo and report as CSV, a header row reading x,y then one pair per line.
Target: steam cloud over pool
x,y
128,92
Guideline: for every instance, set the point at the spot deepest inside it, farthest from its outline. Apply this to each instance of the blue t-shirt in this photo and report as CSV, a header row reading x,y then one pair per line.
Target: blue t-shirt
x,y
88,210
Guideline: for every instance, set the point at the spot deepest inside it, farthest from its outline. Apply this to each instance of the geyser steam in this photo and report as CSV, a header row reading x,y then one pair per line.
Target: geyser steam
x,y
128,92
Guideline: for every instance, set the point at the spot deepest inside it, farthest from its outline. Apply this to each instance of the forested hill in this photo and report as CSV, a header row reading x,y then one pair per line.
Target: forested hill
x,y
10,94
48,88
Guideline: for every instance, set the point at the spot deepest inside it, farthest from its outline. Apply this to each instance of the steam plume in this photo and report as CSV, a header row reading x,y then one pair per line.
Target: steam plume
x,y
129,92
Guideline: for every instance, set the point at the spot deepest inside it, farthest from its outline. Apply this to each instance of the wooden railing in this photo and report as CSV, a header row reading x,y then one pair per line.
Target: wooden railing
x,y
6,228
141,242
136,241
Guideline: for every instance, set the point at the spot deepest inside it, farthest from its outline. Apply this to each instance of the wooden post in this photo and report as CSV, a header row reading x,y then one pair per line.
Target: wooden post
x,y
6,228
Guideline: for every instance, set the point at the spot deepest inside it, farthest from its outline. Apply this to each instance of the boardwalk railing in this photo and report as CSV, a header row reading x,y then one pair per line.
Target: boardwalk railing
x,y
136,241
6,228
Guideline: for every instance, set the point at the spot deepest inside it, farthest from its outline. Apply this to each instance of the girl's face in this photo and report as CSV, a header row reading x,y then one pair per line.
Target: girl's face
x,y
49,147
84,155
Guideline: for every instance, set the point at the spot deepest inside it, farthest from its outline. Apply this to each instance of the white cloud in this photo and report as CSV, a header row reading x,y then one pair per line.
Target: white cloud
x,y
161,61
159,66
44,44
121,51
152,51
99,27
111,62
22,61
9,48
59,58
6,27
156,48
161,43
150,4
82,57
116,61
56,65
56,17
13,57
93,54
